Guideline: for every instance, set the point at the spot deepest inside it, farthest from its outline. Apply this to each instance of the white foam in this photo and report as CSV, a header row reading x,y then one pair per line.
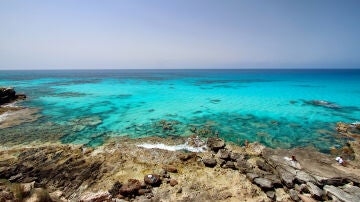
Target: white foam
x,y
3,116
172,147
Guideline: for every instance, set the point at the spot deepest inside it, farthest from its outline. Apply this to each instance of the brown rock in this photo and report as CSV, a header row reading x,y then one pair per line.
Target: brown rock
x,y
152,179
223,154
187,156
170,168
130,188
215,143
209,162
144,191
173,182
96,197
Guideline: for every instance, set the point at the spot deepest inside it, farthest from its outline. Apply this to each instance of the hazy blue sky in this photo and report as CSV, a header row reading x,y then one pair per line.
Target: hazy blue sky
x,y
179,34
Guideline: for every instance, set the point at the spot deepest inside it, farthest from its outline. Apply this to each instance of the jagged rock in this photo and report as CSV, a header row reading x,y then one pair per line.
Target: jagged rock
x,y
336,181
236,156
294,195
7,95
170,168
252,176
209,162
14,178
96,197
229,164
221,162
286,177
264,183
173,182
340,194
264,166
223,154
130,188
215,143
242,166
300,188
304,177
315,191
275,180
152,179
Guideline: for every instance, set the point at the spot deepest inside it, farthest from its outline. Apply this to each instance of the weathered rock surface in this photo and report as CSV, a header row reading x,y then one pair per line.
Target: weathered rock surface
x,y
131,188
152,179
315,191
264,183
8,95
340,194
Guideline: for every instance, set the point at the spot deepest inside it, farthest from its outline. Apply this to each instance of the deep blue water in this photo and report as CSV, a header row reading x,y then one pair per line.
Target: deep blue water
x,y
280,108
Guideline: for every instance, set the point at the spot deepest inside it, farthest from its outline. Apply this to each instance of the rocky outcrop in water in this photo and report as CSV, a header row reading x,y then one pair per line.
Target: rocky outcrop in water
x,y
8,95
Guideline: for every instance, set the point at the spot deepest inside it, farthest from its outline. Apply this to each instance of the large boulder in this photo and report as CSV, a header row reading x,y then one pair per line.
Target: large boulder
x,y
223,154
9,95
215,143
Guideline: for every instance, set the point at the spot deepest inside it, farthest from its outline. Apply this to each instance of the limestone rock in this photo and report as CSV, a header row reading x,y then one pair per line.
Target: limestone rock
x,y
96,197
264,183
264,166
304,177
286,177
293,194
242,166
38,194
209,162
340,194
315,191
252,176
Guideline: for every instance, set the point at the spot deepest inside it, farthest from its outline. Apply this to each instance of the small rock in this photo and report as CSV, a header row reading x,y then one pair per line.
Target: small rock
x,y
96,197
152,179
186,156
173,182
315,191
293,194
252,176
130,188
209,162
275,180
270,194
304,177
235,156
15,177
263,183
223,154
170,168
242,166
286,177
229,164
215,143
264,166
306,198
221,162
144,191
115,188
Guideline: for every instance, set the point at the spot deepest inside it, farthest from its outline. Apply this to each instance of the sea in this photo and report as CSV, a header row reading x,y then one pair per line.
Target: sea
x,y
280,108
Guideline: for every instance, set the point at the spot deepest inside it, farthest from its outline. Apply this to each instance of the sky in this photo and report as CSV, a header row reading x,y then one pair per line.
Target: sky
x,y
87,34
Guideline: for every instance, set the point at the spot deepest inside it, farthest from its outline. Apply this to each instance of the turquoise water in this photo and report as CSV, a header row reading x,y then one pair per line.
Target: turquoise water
x,y
280,108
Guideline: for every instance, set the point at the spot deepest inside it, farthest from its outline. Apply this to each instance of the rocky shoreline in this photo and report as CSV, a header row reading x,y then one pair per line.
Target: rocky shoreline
x,y
165,169
120,170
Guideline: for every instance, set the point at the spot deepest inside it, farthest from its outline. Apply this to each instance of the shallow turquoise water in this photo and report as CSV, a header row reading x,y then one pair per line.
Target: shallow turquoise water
x,y
279,108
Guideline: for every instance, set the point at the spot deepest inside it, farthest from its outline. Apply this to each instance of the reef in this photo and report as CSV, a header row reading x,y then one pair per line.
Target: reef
x,y
123,170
